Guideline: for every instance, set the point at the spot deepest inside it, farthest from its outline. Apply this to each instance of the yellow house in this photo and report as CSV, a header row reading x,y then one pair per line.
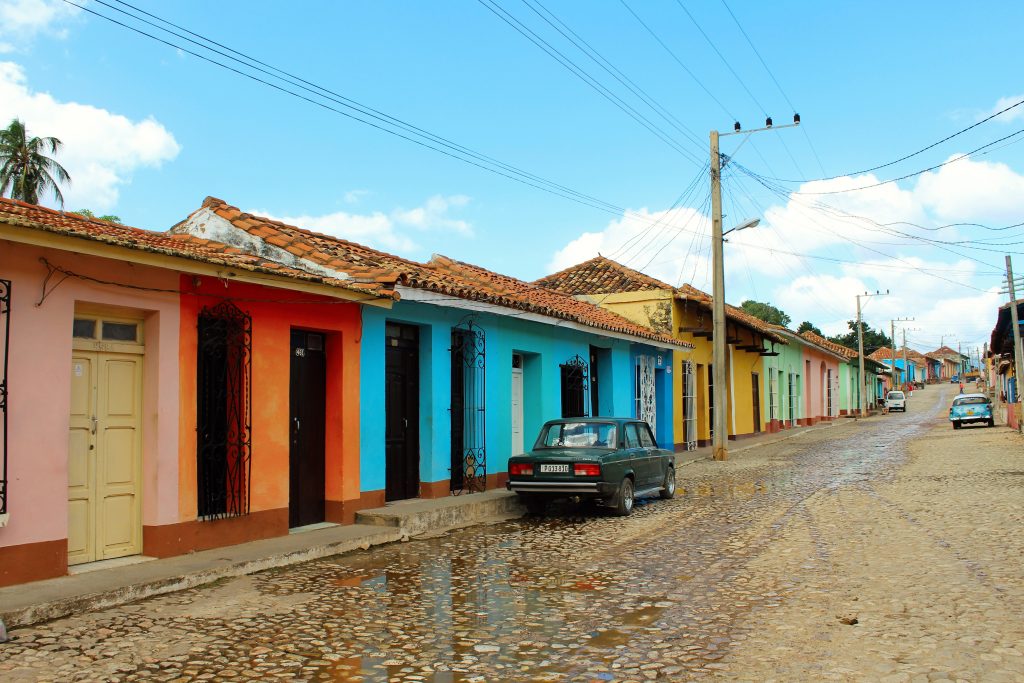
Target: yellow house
x,y
684,312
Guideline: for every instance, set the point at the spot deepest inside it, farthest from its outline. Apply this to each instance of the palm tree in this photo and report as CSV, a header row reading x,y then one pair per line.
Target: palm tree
x,y
25,170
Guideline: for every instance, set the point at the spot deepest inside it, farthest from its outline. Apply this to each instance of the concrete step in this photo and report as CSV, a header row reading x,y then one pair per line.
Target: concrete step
x,y
418,516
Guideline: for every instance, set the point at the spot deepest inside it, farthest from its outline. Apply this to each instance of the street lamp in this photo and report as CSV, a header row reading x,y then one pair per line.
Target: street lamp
x,y
751,223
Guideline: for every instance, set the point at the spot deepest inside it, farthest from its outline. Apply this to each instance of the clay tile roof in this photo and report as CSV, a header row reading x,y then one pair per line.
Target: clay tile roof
x,y
882,353
828,345
602,275
382,271
21,214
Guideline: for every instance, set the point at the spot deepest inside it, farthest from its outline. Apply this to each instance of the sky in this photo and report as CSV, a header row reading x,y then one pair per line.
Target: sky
x,y
605,102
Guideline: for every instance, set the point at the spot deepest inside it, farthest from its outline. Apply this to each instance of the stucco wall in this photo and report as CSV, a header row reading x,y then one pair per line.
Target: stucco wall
x,y
544,347
40,384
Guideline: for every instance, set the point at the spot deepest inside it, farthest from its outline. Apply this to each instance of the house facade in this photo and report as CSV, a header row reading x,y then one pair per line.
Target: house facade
x,y
146,394
685,313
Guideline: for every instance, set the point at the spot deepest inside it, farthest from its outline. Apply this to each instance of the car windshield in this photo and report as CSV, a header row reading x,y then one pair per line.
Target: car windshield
x,y
578,435
970,401
895,394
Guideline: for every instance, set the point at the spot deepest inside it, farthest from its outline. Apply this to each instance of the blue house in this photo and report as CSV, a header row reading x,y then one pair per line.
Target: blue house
x,y
468,364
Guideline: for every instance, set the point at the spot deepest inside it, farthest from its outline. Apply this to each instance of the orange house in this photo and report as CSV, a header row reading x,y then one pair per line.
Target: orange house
x,y
166,393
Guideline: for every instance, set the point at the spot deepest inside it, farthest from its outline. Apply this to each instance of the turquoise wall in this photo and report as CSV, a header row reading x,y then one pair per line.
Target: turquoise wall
x,y
544,348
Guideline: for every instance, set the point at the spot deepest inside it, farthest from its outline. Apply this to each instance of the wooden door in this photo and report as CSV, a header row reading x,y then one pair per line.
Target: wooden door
x,y
401,412
517,409
755,391
104,456
307,398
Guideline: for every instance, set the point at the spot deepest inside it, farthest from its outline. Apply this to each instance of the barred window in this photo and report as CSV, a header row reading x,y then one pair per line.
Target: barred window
x,y
223,405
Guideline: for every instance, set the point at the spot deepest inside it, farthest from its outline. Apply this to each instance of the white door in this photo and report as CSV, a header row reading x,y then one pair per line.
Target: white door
x,y
517,411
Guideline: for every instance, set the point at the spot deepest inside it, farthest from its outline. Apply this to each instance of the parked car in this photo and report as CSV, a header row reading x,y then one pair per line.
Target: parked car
x,y
969,408
896,400
955,379
611,461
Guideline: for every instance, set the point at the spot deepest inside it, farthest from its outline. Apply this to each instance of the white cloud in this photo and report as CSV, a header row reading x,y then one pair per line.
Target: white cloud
x,y
22,20
1004,102
671,246
355,196
100,149
390,231
938,288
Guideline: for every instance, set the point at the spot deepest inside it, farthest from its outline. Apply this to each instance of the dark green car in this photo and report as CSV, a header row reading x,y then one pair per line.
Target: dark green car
x,y
609,460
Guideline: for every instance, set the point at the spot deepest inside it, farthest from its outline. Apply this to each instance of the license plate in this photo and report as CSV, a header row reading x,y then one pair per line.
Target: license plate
x,y
554,468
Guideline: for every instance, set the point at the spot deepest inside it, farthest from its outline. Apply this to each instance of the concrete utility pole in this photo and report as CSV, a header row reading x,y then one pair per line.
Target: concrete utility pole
x,y
862,393
1019,362
720,435
892,337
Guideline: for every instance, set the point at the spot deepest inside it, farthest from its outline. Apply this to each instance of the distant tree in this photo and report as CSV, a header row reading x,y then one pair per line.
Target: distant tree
x,y
89,214
808,326
873,339
766,312
25,170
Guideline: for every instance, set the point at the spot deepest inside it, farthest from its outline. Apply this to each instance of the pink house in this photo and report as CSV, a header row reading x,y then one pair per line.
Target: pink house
x,y
821,378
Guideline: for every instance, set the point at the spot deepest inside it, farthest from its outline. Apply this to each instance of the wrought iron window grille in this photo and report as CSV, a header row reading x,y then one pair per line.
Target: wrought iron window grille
x,y
689,406
575,376
5,333
646,394
468,408
224,411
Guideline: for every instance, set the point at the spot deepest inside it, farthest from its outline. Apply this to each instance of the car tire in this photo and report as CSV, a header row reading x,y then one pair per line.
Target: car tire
x,y
624,498
991,422
535,505
668,487
956,425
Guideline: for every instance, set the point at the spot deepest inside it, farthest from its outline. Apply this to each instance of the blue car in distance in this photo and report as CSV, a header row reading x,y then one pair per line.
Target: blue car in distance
x,y
969,408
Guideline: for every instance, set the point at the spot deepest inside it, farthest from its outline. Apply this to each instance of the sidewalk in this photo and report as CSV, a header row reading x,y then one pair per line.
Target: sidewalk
x,y
31,603
122,582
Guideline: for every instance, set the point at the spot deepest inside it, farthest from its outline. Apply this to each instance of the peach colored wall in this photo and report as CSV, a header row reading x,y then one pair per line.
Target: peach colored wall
x,y
39,384
815,381
274,313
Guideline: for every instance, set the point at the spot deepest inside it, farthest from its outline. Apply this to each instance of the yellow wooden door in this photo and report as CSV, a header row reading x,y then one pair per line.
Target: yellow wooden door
x,y
104,502
81,460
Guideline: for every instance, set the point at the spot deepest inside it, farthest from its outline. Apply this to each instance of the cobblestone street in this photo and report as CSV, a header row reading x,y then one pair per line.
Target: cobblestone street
x,y
888,549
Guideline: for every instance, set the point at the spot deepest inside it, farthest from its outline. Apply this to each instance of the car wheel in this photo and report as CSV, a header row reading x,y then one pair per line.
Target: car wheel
x,y
668,489
956,425
535,505
624,506
991,422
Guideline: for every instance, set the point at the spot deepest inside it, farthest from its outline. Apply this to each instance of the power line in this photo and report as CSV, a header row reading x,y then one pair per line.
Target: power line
x,y
617,73
495,8
912,154
777,85
380,120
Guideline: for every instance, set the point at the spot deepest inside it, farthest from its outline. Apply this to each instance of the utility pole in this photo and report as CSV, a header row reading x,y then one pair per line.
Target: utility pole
x,y
906,370
862,397
1019,362
892,337
720,435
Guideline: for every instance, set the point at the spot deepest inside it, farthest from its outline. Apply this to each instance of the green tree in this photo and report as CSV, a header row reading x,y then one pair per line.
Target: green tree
x,y
808,326
873,339
25,170
766,312
89,214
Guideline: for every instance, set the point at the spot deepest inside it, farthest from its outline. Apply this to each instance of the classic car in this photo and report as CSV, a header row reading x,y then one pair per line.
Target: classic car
x,y
610,461
968,408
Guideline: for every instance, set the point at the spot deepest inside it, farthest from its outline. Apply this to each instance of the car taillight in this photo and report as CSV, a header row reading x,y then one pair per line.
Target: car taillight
x,y
586,469
522,469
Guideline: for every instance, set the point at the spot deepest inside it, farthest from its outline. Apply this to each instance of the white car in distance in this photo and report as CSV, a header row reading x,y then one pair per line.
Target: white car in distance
x,y
896,400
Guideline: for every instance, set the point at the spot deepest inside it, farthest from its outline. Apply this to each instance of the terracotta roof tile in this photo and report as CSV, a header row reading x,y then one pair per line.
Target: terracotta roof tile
x,y
21,214
829,345
602,275
381,270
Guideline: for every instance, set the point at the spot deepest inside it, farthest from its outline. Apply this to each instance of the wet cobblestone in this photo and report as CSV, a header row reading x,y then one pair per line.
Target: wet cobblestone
x,y
885,550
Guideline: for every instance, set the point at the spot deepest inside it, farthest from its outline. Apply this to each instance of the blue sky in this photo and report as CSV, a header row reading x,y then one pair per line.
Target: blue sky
x,y
150,131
